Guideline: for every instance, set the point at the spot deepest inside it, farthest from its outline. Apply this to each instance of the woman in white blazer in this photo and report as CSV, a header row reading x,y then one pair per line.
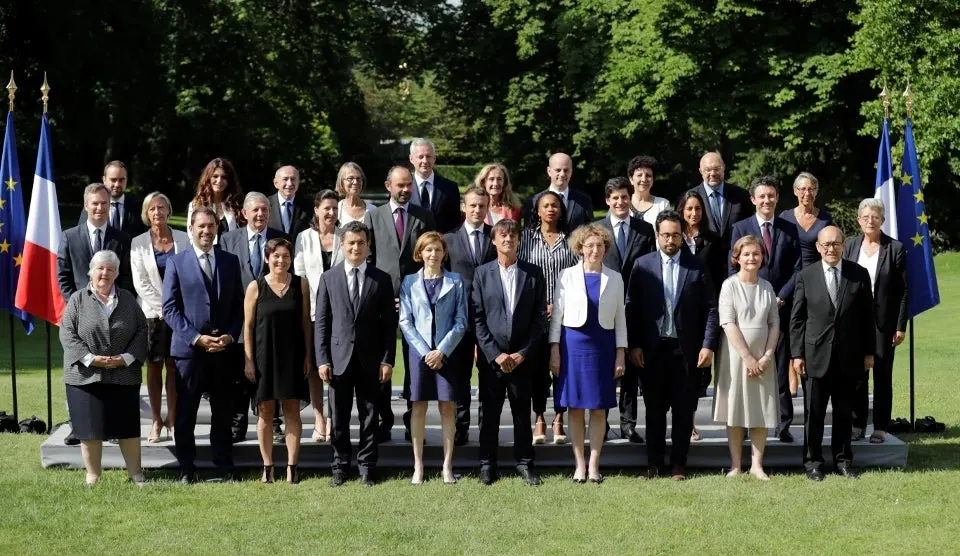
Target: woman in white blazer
x,y
317,250
588,338
149,253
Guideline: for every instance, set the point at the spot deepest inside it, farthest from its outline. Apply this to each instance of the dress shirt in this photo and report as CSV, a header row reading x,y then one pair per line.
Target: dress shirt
x,y
92,236
671,332
469,230
870,263
508,279
362,272
719,200
119,203
826,277
250,242
614,221
108,306
563,194
761,222
418,182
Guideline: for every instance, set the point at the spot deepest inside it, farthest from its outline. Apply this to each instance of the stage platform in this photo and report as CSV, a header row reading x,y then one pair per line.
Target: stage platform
x,y
710,452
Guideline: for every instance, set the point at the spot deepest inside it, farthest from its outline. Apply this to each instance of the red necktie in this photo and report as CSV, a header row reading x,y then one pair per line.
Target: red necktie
x,y
399,223
767,240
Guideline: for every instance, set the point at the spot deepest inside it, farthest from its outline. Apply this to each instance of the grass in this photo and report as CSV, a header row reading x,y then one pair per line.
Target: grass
x,y
913,511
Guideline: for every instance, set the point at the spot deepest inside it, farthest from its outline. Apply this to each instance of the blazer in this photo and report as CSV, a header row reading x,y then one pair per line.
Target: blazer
x,y
823,336
386,252
131,222
342,334
302,214
891,300
308,263
84,329
146,275
736,207
694,313
75,252
441,327
191,309
783,264
525,332
460,255
570,305
579,209
640,241
444,204
236,242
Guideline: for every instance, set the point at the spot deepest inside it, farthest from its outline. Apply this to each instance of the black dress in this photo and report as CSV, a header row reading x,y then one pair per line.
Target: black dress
x,y
278,344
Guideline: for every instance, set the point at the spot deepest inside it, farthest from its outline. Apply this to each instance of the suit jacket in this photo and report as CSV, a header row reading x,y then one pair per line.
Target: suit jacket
x,y
825,337
341,334
712,255
460,256
130,221
192,309
526,331
891,301
302,214
444,204
640,241
439,327
694,311
571,306
386,252
783,263
308,262
579,209
236,242
736,207
75,252
146,275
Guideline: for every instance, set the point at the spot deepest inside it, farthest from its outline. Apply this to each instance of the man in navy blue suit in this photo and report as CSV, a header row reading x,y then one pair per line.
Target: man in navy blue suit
x,y
781,265
578,204
431,190
203,304
672,323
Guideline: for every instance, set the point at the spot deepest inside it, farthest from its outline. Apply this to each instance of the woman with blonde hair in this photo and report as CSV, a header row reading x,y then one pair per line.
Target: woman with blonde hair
x,y
350,183
495,179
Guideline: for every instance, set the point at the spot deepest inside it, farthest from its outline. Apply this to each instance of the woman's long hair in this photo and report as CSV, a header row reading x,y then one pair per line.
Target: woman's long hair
x,y
704,213
232,196
507,197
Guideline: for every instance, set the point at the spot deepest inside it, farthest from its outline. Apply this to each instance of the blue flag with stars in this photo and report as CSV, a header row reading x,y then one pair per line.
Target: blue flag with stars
x,y
13,226
915,231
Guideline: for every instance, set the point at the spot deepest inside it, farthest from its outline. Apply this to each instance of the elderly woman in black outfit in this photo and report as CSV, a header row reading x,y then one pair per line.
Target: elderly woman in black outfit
x,y
886,261
104,338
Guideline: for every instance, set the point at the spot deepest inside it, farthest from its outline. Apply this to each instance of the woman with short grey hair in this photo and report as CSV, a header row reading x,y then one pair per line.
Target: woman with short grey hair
x,y
104,338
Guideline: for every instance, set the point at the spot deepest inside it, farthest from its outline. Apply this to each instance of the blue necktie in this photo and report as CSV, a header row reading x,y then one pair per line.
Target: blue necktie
x,y
666,328
287,216
115,215
256,260
715,207
622,240
97,241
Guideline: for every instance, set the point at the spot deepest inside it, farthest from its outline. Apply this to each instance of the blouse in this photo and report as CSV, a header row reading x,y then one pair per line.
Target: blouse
x,y
870,263
227,223
650,215
344,217
552,260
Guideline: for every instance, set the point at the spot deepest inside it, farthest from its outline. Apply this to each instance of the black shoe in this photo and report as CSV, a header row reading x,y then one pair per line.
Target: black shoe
x,y
188,478
598,479
846,472
815,474
367,479
70,439
338,478
649,473
461,438
857,433
632,436
267,474
530,477
786,436
221,478
488,475
294,478
239,436
383,436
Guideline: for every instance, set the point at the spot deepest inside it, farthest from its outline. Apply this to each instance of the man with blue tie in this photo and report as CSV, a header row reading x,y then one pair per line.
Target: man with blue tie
x,y
781,265
124,215
289,212
431,190
672,323
203,304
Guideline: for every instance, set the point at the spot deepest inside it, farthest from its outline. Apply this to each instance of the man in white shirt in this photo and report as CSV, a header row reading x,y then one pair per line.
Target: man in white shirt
x,y
431,190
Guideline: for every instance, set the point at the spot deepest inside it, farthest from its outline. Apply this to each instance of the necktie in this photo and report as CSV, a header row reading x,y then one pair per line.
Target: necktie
x,y
425,195
97,240
115,215
355,289
207,269
287,216
832,285
398,221
477,254
622,239
715,208
667,326
256,260
767,240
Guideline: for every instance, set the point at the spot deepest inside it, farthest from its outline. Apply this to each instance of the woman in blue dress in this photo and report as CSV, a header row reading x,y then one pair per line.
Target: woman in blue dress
x,y
588,337
433,319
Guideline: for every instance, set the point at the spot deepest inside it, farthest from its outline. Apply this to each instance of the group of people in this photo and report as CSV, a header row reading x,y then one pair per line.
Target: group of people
x,y
269,299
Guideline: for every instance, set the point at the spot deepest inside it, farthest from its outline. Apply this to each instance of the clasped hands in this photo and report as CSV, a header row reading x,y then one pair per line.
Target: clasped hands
x,y
510,361
214,344
108,362
756,367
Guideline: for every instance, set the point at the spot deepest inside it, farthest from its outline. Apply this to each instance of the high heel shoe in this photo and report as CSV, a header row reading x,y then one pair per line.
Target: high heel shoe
x,y
449,478
293,474
267,474
154,435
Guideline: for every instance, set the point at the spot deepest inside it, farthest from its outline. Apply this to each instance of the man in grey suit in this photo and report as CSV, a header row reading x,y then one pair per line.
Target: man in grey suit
x,y
247,244
394,230
289,212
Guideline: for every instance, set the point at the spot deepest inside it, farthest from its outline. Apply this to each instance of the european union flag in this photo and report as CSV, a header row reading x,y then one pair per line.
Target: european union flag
x,y
915,231
13,226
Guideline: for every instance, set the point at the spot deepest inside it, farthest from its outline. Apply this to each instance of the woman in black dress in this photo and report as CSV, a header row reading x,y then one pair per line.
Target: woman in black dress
x,y
808,219
277,342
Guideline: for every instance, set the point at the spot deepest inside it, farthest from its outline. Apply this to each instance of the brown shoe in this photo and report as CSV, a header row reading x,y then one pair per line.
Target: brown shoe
x,y
559,436
678,474
540,431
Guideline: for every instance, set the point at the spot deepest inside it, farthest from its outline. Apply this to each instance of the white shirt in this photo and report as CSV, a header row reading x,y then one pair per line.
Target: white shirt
x,y
870,263
563,194
615,221
761,222
108,307
361,272
213,260
418,181
508,279
468,229
406,211
92,236
826,275
343,217
675,278
251,233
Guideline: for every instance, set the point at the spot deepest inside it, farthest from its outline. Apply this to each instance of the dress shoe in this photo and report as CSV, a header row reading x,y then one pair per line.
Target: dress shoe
x,y
596,479
815,474
221,478
239,436
847,472
857,434
488,475
539,432
267,477
383,436
188,478
530,477
559,435
461,438
786,436
70,439
368,479
632,436
293,474
677,473
338,478
649,473
138,479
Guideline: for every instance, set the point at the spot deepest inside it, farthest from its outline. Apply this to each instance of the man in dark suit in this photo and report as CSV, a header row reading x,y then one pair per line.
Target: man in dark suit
x,y
468,247
632,237
832,329
431,190
781,264
672,321
203,304
355,333
579,206
289,212
510,320
248,244
394,229
125,211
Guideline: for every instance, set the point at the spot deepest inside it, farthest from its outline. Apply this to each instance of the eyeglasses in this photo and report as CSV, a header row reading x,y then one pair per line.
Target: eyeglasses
x,y
802,190
352,179
870,218
670,236
831,244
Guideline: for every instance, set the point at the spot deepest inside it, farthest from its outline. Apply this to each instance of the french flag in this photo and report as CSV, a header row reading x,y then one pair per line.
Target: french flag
x,y
38,292
884,189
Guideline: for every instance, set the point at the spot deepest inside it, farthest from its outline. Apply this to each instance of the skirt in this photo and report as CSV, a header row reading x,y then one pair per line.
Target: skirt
x,y
102,411
427,384
159,337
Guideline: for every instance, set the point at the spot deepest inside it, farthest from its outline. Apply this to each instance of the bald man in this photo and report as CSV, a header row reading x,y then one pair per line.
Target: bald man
x,y
579,207
289,212
727,203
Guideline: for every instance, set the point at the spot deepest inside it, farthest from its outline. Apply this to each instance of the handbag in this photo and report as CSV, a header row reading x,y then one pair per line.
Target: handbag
x,y
8,423
33,425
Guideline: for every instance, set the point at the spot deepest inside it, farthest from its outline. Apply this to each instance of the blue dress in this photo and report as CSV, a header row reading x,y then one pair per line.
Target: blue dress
x,y
587,356
808,238
427,384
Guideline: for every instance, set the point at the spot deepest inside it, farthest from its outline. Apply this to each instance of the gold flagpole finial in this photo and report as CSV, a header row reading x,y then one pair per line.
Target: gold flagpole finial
x,y
885,99
909,98
45,89
11,90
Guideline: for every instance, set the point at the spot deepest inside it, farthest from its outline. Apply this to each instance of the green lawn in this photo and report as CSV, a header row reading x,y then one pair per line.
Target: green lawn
x,y
913,511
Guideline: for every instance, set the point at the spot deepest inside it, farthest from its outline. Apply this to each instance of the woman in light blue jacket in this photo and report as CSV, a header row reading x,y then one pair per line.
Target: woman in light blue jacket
x,y
433,319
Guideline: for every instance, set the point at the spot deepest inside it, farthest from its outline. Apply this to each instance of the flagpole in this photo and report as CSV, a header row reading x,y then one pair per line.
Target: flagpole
x,y
11,93
45,90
